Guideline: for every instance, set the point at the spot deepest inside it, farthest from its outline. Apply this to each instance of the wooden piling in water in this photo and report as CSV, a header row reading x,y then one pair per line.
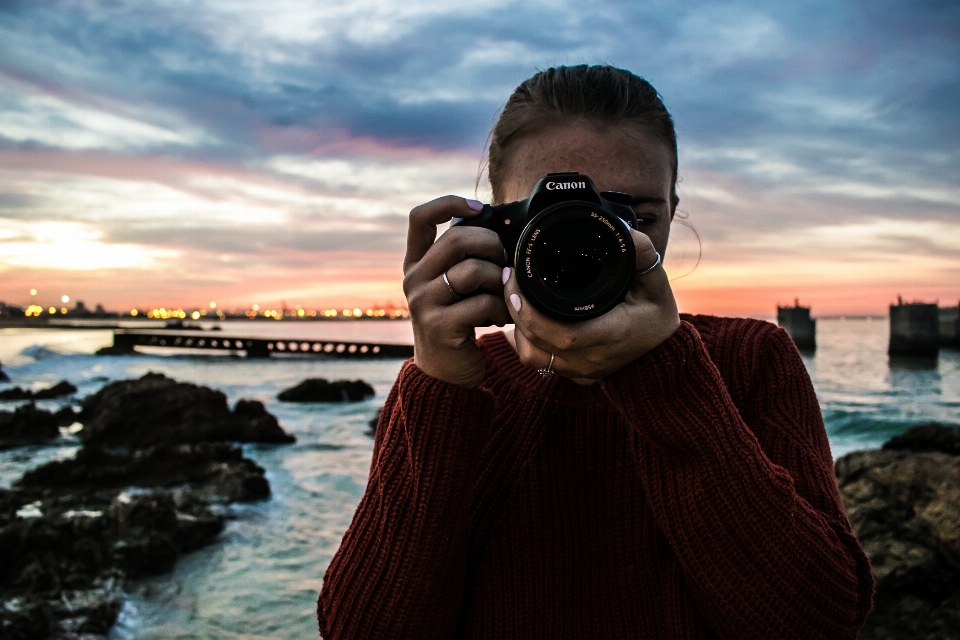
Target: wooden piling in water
x,y
797,322
914,329
950,326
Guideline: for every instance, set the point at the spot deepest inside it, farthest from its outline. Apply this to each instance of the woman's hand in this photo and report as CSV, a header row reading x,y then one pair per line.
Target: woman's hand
x,y
444,317
593,349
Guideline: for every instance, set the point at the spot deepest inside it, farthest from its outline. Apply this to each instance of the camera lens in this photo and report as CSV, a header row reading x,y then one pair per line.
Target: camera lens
x,y
575,260
573,256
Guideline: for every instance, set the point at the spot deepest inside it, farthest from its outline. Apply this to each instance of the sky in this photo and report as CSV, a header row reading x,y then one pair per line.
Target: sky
x,y
172,153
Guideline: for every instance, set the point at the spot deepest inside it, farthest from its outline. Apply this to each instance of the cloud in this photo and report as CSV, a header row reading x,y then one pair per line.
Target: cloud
x,y
273,134
28,117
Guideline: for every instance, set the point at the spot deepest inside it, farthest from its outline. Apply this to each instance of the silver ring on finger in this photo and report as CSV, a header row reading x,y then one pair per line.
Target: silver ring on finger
x,y
547,371
656,263
446,281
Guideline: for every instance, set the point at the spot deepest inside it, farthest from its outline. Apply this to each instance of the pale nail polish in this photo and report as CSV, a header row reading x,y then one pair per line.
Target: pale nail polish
x,y
476,205
506,275
515,301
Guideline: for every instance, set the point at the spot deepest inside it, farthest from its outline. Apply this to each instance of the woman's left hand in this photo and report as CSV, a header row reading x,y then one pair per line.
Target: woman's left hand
x,y
593,349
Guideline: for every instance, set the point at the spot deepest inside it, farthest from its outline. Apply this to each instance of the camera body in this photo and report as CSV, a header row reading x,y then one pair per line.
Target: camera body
x,y
569,244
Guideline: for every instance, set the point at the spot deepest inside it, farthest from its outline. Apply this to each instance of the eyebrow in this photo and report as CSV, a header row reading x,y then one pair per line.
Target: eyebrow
x,y
635,200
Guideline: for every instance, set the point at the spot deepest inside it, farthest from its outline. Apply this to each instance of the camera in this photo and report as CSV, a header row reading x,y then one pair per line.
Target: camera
x,y
569,244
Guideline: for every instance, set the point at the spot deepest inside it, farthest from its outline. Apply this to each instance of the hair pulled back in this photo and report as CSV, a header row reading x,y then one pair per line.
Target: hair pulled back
x,y
599,94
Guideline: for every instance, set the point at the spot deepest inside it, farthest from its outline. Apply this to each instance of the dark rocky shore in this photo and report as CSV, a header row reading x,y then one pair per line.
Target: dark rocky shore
x,y
157,467
62,388
904,504
29,425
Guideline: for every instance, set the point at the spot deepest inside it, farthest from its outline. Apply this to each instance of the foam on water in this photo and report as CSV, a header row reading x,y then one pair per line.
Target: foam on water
x,y
261,579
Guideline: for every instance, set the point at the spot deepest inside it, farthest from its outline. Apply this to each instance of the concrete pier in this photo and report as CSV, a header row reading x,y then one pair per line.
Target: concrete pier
x,y
950,326
797,322
914,329
126,342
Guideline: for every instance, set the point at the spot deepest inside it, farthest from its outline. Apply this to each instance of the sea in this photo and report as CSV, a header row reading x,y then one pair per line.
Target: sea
x,y
262,576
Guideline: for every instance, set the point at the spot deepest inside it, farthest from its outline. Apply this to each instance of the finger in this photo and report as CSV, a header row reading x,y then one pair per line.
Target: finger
x,y
545,332
422,226
456,245
460,318
472,275
536,357
647,255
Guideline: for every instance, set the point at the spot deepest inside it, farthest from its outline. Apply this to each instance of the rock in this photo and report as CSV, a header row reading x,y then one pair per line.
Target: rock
x,y
65,558
932,436
27,619
27,425
91,612
320,390
66,416
155,409
71,531
904,504
3,374
146,530
65,540
114,350
62,388
15,394
218,471
255,424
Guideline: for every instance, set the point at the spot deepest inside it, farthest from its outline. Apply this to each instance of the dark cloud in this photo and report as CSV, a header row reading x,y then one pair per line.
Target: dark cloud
x,y
709,76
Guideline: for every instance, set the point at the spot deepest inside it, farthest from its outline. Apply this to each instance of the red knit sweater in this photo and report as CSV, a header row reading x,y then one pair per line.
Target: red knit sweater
x,y
689,495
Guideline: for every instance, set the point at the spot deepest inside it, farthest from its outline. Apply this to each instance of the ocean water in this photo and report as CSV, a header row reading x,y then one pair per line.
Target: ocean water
x,y
262,577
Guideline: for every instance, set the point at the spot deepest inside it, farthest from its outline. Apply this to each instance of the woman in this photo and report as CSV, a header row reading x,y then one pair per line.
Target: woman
x,y
672,481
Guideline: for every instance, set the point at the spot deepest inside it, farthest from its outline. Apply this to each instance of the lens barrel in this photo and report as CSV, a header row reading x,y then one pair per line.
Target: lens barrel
x,y
575,260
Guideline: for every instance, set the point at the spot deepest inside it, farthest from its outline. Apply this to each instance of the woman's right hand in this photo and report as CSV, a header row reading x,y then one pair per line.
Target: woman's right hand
x,y
444,321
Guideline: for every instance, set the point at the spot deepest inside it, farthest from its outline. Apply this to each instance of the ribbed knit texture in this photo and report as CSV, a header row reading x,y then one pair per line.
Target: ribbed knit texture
x,y
689,495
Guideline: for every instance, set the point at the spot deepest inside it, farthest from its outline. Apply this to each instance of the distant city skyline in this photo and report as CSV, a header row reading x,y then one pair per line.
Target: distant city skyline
x,y
175,152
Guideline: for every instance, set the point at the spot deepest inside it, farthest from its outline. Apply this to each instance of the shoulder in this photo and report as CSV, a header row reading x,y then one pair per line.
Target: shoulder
x,y
725,332
740,347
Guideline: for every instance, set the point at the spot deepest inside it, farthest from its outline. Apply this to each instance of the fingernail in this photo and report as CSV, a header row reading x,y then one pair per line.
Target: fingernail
x,y
476,205
515,301
506,276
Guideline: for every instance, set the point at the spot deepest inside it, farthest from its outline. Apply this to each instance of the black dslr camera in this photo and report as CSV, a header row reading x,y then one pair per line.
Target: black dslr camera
x,y
570,245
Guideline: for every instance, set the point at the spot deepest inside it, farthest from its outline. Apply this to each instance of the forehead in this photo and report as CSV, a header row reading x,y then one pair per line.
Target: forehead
x,y
618,158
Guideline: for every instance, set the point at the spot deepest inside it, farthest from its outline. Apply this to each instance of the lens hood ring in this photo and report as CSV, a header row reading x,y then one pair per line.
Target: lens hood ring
x,y
575,260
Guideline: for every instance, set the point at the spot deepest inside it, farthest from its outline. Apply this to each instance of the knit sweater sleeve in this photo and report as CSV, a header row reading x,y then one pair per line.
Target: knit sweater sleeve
x,y
766,547
400,569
